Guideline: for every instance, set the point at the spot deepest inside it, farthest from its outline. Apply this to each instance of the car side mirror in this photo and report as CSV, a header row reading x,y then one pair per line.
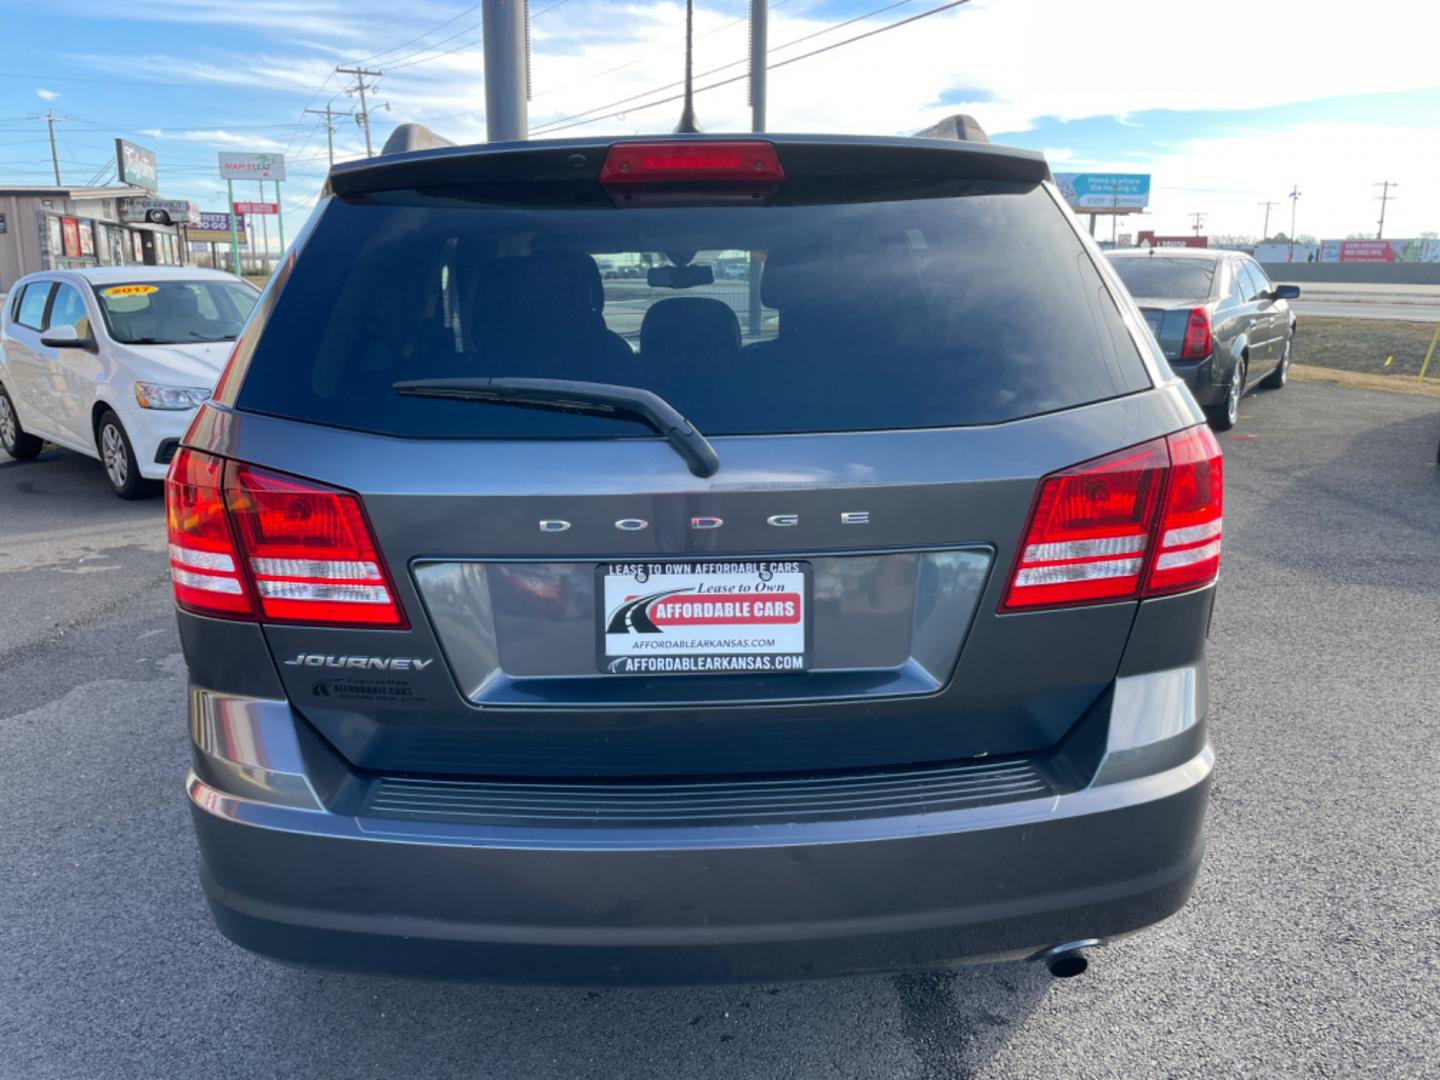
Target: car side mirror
x,y
1285,292
67,337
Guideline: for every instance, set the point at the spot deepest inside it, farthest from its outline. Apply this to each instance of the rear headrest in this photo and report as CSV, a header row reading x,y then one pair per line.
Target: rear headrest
x,y
789,278
695,325
571,277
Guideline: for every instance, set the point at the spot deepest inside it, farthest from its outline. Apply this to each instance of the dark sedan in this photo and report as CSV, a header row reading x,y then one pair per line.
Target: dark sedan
x,y
1221,322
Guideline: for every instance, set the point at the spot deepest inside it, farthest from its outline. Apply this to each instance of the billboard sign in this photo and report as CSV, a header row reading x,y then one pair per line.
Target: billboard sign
x,y
252,166
87,237
256,208
158,211
135,165
1148,239
214,228
1098,193
1380,251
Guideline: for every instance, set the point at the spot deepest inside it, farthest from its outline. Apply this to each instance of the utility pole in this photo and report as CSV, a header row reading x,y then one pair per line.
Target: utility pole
x,y
1265,232
49,117
1197,221
1294,198
507,69
363,116
1385,196
329,115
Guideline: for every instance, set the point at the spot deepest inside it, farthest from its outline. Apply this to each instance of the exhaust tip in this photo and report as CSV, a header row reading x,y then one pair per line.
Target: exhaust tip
x,y
1067,965
1068,960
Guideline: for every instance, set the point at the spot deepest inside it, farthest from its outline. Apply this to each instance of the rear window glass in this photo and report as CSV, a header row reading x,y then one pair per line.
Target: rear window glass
x,y
970,309
1170,279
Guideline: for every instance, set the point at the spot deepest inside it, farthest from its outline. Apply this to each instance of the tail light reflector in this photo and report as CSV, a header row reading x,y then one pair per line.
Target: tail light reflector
x,y
308,550
249,543
668,162
1090,529
1098,530
1188,552
1198,342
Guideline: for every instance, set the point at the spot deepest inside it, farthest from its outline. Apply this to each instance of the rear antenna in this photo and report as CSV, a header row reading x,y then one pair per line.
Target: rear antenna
x,y
688,125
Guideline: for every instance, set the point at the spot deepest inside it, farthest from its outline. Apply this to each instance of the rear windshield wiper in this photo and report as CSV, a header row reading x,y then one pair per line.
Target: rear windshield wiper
x,y
569,395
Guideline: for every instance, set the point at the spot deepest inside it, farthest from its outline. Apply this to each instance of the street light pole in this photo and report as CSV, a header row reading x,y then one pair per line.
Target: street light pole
x,y
507,65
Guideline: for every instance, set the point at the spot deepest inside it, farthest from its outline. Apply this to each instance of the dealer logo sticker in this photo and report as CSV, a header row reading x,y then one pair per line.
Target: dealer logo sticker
x,y
698,618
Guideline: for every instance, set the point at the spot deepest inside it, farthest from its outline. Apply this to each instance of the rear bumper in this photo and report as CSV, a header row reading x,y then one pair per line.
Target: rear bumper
x,y
1205,378
701,905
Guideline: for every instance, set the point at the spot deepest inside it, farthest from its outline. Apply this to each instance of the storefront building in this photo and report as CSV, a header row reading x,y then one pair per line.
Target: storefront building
x,y
52,228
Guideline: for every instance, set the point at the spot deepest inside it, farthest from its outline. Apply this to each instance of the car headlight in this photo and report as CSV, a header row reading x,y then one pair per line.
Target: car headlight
x,y
155,396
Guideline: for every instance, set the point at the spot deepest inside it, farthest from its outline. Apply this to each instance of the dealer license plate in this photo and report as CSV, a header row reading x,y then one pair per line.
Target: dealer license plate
x,y
703,618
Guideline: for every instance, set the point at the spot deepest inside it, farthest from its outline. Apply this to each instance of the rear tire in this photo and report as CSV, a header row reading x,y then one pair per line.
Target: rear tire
x,y
1223,416
1277,379
118,456
18,443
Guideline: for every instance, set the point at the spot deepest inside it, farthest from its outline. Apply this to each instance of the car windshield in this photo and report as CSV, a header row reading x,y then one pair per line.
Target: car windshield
x,y
1169,279
793,318
175,312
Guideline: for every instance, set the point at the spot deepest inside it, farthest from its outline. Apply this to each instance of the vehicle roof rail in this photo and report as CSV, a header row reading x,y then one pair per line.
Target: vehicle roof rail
x,y
960,126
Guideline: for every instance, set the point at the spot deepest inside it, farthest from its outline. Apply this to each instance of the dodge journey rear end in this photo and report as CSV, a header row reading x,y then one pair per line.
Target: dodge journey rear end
x,y
822,587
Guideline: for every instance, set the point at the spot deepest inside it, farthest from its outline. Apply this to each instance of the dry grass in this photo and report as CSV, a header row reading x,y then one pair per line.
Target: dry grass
x,y
1364,345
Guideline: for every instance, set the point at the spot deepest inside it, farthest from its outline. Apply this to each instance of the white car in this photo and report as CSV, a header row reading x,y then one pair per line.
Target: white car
x,y
113,361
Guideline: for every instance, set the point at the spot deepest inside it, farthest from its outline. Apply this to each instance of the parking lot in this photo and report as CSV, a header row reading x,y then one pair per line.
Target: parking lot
x,y
1311,947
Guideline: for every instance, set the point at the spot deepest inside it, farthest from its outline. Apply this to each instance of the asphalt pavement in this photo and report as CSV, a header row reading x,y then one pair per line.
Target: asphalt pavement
x,y
1311,947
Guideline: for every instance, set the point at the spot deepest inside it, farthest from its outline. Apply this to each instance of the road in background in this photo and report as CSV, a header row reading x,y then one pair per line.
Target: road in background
x,y
1309,949
1410,303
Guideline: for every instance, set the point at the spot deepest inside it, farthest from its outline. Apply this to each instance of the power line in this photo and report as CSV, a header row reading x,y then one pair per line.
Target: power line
x,y
734,63
555,126
418,37
436,56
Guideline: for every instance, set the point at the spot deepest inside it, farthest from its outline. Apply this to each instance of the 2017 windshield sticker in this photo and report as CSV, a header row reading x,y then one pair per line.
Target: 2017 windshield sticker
x,y
130,290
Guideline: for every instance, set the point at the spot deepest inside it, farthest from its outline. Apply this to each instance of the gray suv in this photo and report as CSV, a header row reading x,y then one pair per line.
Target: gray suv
x,y
846,616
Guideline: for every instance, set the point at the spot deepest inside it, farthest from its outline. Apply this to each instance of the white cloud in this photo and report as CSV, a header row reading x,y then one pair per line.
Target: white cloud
x,y
1010,63
48,95
219,138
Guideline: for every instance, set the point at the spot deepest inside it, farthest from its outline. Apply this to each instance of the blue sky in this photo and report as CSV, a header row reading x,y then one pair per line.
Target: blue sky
x,y
1310,95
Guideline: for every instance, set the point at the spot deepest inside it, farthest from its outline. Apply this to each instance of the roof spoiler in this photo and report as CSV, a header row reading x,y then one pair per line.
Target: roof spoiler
x,y
960,126
408,137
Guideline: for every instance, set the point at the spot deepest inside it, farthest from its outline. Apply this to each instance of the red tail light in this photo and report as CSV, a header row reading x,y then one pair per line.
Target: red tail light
x,y
1089,530
1188,552
205,565
659,163
1198,341
1150,513
298,551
